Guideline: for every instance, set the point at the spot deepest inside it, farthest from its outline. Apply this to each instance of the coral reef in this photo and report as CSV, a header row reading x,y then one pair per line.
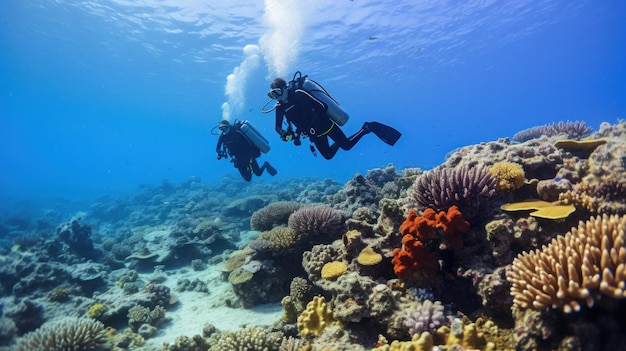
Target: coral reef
x,y
453,258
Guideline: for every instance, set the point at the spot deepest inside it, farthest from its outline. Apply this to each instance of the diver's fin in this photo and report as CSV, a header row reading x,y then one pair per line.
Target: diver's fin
x,y
271,170
386,133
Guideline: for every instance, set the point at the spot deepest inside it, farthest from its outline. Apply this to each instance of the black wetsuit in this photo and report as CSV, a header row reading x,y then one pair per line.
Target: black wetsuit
x,y
243,153
308,114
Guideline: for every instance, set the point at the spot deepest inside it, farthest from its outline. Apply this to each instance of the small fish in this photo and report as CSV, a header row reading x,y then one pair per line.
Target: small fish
x,y
373,38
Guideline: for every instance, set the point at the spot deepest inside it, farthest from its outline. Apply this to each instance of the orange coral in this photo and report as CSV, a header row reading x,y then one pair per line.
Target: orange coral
x,y
425,227
413,260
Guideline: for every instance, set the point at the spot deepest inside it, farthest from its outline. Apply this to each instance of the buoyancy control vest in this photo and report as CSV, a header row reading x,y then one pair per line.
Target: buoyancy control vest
x,y
334,111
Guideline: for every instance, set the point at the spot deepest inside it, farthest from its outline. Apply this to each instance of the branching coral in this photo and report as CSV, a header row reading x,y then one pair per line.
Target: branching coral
x,y
315,318
247,339
586,262
66,335
428,317
466,186
608,197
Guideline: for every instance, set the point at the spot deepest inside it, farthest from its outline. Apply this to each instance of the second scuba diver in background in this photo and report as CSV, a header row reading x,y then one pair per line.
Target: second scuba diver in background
x,y
305,104
244,145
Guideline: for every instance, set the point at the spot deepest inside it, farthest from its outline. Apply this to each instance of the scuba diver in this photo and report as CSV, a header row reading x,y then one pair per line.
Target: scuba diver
x,y
317,115
244,144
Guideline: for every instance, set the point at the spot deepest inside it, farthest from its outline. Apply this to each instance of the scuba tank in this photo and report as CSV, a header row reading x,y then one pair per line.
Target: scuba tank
x,y
254,137
334,111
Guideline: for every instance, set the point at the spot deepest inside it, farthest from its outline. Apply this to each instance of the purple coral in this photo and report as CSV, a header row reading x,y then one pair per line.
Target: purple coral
x,y
272,215
573,130
317,224
428,317
466,186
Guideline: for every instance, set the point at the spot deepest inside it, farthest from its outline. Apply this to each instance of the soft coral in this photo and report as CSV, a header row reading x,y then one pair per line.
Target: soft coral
x,y
413,260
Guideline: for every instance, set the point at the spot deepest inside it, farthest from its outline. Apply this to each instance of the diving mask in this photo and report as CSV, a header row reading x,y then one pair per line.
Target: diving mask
x,y
279,94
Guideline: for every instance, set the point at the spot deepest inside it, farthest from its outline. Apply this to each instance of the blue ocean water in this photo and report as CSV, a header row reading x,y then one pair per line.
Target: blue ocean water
x,y
97,97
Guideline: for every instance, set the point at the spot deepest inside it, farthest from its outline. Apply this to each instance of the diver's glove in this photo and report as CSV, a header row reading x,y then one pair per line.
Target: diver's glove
x,y
221,155
286,135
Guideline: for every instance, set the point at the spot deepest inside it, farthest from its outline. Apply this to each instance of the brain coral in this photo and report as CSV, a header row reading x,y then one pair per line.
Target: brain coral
x,y
587,261
466,186
66,335
510,175
332,270
280,238
317,223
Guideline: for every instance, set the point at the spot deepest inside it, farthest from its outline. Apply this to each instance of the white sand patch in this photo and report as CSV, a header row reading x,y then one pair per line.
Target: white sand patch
x,y
194,310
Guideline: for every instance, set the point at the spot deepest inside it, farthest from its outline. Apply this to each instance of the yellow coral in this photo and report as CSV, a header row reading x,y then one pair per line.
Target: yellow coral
x,y
315,317
332,270
587,145
420,342
510,175
280,237
472,335
587,261
349,236
369,257
542,209
96,310
581,200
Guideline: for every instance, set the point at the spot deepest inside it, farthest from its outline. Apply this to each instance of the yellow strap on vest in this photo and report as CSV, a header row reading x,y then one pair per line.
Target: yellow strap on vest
x,y
327,130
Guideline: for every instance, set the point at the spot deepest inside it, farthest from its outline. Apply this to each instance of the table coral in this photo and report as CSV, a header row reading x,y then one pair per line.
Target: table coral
x,y
369,257
573,129
586,262
541,209
332,270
